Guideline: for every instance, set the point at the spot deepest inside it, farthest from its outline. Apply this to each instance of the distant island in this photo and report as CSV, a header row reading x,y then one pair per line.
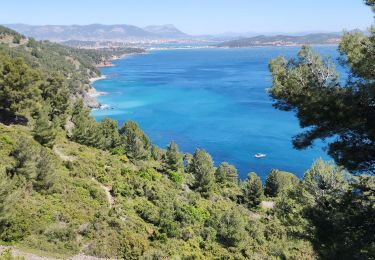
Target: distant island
x,y
284,40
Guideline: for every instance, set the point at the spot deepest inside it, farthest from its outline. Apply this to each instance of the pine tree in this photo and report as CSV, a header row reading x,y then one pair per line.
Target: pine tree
x,y
173,158
134,147
109,132
157,153
226,173
33,164
86,130
45,171
44,130
341,112
136,144
253,190
202,168
131,126
26,156
19,91
279,181
188,158
232,228
56,93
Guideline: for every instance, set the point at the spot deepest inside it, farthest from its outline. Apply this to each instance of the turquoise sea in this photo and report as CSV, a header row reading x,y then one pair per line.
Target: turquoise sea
x,y
209,98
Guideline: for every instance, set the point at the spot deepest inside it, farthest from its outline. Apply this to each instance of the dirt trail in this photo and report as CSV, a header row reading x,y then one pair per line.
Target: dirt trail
x,y
267,204
62,156
107,191
29,256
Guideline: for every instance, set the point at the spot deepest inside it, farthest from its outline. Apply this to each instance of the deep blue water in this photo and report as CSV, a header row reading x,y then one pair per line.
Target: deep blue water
x,y
209,98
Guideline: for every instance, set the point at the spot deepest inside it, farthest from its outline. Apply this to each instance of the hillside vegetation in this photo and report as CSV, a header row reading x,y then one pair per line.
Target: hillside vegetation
x,y
76,66
70,185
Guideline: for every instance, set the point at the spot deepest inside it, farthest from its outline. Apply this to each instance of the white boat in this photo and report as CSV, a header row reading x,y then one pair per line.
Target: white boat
x,y
260,155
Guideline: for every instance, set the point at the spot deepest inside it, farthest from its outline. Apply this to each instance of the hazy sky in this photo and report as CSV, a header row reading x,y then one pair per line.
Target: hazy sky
x,y
196,16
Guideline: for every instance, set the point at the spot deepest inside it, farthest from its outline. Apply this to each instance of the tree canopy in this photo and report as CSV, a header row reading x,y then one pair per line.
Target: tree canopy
x,y
203,170
20,89
226,173
342,114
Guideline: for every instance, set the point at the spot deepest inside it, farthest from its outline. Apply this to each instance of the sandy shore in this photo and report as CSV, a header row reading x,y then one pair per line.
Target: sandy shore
x,y
92,80
92,92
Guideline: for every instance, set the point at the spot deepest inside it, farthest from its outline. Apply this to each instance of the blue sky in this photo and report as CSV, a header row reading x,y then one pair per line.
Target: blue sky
x,y
196,16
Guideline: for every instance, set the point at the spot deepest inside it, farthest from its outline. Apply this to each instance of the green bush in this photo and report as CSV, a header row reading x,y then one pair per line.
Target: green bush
x,y
150,174
175,177
7,140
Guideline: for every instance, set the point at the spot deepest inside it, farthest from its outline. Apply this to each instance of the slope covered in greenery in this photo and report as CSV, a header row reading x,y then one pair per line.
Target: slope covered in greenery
x,y
56,200
77,66
56,204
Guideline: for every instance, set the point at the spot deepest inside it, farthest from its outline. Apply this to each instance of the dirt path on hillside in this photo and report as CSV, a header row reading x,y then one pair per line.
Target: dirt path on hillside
x,y
29,256
64,157
107,191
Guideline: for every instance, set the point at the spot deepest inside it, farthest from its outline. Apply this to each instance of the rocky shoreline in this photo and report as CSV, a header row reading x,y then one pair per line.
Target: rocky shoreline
x,y
89,97
105,64
92,80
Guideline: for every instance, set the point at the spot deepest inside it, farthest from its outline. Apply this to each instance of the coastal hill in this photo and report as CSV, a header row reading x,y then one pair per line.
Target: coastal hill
x,y
98,32
284,40
77,66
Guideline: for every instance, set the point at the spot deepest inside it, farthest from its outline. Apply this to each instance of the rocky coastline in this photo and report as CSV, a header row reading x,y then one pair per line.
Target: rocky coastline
x,y
90,96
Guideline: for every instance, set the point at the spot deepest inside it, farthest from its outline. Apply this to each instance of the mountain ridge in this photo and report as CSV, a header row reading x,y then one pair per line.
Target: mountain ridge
x,y
168,32
99,32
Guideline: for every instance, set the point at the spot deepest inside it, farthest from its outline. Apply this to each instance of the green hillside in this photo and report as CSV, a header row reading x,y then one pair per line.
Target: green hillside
x,y
76,66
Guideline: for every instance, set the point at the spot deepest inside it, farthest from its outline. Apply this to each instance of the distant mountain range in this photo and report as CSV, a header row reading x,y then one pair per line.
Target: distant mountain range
x,y
129,33
98,32
284,40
